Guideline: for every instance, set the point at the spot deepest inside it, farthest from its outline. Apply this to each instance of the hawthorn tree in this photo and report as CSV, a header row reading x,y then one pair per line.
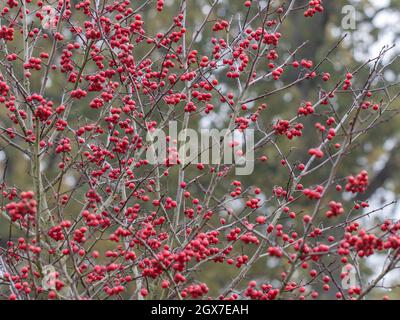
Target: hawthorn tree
x,y
82,86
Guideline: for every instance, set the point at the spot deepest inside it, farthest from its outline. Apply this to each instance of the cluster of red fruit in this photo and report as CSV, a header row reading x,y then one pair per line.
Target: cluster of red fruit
x,y
357,184
23,210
